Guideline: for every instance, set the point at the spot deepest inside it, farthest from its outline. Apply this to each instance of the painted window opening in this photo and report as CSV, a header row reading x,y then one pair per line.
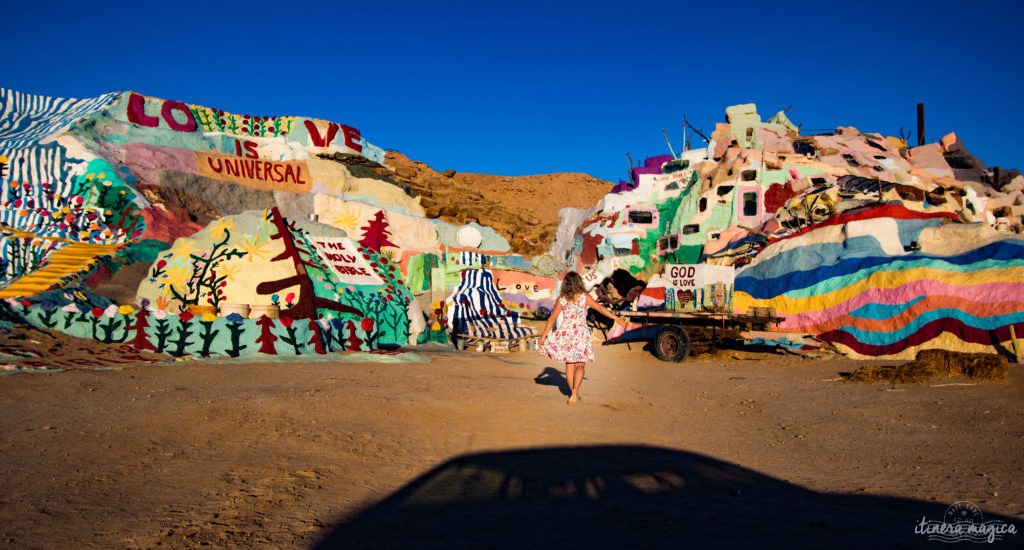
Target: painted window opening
x,y
675,166
643,217
750,203
724,190
691,229
668,244
702,205
850,160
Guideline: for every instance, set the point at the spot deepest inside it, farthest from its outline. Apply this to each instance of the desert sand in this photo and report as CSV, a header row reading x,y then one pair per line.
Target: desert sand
x,y
480,450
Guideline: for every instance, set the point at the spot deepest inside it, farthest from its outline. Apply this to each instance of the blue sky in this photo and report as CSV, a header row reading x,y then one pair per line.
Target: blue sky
x,y
538,87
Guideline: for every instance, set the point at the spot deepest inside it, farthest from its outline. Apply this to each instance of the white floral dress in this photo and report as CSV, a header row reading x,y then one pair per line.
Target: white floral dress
x,y
570,342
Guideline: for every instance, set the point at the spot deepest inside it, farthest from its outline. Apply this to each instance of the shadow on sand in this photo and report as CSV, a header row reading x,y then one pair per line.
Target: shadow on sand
x,y
624,497
551,376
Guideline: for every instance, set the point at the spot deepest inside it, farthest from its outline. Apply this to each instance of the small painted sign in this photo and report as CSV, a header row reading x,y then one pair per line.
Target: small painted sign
x,y
347,263
691,276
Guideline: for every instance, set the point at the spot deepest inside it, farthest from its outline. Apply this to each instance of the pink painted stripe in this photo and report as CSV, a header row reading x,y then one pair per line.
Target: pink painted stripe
x,y
984,293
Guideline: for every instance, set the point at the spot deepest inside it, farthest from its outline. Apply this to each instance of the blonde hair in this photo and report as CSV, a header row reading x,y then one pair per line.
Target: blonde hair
x,y
572,286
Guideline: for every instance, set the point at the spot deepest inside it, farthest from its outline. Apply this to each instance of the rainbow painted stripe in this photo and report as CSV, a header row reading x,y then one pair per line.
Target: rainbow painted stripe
x,y
871,304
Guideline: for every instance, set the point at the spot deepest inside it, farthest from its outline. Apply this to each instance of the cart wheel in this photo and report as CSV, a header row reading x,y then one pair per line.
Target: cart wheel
x,y
672,344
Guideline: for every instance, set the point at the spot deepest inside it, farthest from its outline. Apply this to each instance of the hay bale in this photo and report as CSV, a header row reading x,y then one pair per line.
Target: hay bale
x,y
932,363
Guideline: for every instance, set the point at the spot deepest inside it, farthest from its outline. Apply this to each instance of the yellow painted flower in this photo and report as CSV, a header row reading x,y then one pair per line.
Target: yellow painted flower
x,y
254,249
177,276
220,226
347,219
209,317
228,271
183,248
126,310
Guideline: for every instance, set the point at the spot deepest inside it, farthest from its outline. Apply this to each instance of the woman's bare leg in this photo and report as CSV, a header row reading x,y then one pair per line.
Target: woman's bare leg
x,y
570,377
577,381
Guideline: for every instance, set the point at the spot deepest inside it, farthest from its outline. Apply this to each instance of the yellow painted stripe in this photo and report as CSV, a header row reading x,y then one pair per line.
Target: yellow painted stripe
x,y
64,262
882,279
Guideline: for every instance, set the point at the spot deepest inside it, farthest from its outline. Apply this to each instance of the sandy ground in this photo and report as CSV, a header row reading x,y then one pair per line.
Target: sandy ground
x,y
481,450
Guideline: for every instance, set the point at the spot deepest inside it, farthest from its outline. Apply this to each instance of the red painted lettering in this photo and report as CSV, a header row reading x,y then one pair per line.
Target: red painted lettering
x,y
190,123
231,167
218,168
316,138
351,136
258,168
250,149
298,175
288,173
137,112
268,171
278,175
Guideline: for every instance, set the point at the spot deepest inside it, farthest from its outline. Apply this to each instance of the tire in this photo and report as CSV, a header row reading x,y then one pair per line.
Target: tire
x,y
672,344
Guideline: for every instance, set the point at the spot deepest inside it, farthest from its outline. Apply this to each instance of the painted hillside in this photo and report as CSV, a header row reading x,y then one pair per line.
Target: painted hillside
x,y
229,234
207,220
878,247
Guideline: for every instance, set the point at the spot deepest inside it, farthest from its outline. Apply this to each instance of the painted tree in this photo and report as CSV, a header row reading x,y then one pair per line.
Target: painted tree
x,y
141,341
316,340
354,342
266,338
308,302
375,233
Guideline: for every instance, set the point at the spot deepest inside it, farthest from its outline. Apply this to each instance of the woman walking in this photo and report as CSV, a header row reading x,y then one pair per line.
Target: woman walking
x,y
570,343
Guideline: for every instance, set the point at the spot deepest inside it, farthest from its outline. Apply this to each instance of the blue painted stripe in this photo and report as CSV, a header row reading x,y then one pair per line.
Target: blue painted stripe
x,y
879,312
800,284
884,338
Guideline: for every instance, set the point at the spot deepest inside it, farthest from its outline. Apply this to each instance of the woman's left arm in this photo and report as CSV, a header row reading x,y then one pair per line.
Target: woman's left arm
x,y
604,311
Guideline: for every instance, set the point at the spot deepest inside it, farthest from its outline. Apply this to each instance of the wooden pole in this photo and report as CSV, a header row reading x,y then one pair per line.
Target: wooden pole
x,y
1016,344
669,144
920,123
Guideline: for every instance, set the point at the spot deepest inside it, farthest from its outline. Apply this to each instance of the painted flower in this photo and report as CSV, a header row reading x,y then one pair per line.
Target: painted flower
x,y
221,226
144,303
337,324
253,249
183,248
160,314
70,308
111,310
26,302
185,316
235,318
48,305
367,324
97,312
177,276
162,302
126,310
286,321
209,317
